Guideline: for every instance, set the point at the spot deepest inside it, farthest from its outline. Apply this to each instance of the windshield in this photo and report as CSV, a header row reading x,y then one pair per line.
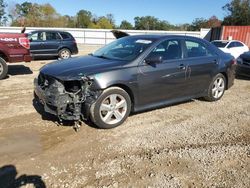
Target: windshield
x,y
126,48
220,44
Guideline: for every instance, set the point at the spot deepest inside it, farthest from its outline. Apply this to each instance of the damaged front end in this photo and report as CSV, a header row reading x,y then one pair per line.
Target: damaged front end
x,y
68,100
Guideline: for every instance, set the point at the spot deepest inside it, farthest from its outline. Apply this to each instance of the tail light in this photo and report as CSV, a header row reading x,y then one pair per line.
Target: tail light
x,y
24,42
234,62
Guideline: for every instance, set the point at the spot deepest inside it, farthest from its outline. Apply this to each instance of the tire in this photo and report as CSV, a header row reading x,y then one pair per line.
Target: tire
x,y
216,88
105,112
64,53
3,68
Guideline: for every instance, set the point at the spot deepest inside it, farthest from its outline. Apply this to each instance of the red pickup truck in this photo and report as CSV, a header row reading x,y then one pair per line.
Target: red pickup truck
x,y
14,47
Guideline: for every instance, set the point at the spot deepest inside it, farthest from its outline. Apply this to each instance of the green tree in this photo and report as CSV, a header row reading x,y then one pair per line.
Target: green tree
x,y
146,23
164,25
238,12
104,23
3,17
34,16
49,16
38,15
27,14
213,22
83,19
111,19
183,27
152,23
70,21
126,25
197,24
23,9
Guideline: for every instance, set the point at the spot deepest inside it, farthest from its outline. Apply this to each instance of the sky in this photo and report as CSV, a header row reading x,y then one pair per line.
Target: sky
x,y
174,11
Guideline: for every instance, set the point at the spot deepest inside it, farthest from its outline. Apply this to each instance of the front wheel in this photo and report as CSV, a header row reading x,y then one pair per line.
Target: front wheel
x,y
111,109
64,53
216,88
3,68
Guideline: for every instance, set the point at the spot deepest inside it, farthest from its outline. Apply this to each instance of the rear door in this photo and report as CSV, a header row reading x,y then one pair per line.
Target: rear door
x,y
52,42
202,63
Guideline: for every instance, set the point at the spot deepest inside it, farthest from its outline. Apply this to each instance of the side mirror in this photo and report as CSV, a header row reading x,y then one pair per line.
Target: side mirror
x,y
154,58
30,39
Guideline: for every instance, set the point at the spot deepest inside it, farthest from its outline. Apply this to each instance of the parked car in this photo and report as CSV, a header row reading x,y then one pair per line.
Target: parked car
x,y
14,47
234,47
243,65
134,73
52,43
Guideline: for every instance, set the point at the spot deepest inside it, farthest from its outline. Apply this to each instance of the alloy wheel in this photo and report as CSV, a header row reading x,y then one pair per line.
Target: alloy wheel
x,y
65,54
113,109
1,68
218,88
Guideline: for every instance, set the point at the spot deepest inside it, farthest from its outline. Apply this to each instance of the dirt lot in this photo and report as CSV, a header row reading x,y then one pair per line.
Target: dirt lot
x,y
193,144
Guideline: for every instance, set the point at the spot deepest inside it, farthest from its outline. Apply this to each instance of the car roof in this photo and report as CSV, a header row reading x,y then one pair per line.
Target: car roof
x,y
226,41
163,36
47,30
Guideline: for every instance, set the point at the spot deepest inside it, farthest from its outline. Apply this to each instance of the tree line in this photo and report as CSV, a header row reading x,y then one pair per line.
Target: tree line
x,y
44,15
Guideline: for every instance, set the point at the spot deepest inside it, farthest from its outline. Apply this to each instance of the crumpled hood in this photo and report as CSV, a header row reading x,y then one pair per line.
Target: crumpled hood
x,y
74,68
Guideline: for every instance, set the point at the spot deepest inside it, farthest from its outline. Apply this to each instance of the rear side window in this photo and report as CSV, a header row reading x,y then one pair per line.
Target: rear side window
x,y
65,35
197,49
235,44
220,44
52,36
238,44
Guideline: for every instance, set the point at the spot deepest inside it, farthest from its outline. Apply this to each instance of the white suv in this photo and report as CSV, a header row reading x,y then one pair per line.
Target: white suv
x,y
234,47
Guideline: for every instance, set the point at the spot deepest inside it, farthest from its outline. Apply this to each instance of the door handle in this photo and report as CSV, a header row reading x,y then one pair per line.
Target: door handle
x,y
182,67
215,61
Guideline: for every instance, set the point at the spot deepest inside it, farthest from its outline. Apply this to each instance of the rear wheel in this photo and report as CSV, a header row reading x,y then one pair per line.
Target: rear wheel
x,y
3,68
217,88
64,53
111,109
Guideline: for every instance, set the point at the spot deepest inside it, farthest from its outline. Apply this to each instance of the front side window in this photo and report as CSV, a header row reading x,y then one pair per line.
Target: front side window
x,y
126,48
196,49
169,50
37,36
231,45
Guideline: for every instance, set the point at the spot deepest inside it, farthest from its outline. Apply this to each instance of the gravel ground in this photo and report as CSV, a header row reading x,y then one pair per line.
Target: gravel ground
x,y
192,144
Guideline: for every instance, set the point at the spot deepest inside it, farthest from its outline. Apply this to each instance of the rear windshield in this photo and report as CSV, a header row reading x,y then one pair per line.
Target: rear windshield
x,y
220,44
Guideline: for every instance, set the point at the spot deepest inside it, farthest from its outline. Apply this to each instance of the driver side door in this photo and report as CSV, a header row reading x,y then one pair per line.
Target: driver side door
x,y
163,81
36,42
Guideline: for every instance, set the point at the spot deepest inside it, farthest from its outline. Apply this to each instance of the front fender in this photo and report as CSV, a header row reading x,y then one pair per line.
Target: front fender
x,y
124,78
